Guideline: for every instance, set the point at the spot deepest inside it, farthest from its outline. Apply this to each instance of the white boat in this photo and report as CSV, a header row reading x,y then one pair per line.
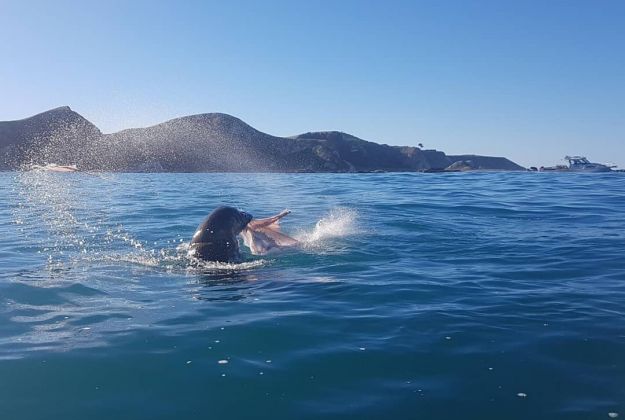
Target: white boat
x,y
581,164
53,167
577,164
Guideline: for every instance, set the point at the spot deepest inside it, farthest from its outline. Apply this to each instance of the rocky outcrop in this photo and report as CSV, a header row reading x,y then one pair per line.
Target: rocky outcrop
x,y
206,142
488,162
461,166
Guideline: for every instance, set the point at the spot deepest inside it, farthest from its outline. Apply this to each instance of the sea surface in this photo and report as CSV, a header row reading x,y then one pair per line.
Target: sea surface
x,y
412,296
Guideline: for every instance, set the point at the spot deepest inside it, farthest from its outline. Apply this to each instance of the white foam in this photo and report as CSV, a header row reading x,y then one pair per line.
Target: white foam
x,y
171,260
214,266
339,222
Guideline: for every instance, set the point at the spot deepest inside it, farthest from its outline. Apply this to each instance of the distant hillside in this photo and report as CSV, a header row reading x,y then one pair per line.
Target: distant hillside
x,y
214,142
56,135
362,155
207,142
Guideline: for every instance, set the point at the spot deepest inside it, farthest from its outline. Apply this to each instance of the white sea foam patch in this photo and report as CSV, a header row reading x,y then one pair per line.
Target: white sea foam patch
x,y
339,222
169,259
193,264
196,264
218,267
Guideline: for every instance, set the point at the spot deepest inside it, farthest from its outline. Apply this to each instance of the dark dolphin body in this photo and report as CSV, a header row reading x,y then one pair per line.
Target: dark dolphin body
x,y
216,237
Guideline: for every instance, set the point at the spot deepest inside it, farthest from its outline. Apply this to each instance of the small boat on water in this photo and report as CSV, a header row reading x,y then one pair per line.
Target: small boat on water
x,y
53,167
577,164
581,164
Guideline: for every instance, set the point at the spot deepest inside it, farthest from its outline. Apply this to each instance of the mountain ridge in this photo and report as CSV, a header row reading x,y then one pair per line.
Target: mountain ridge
x,y
208,142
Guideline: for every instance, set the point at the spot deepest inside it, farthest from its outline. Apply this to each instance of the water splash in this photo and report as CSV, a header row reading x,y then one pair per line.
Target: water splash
x,y
48,210
67,227
71,229
340,222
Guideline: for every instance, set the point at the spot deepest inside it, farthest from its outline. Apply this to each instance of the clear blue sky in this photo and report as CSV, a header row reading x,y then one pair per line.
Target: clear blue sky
x,y
530,80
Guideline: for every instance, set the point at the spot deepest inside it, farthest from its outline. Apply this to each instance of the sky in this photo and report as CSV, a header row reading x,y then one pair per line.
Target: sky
x,y
529,80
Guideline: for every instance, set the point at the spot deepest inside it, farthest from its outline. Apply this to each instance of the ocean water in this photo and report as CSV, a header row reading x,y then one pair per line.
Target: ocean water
x,y
420,296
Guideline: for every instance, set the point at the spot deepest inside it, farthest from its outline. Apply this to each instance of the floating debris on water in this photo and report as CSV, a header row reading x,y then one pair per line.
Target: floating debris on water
x,y
222,362
613,415
522,394
188,362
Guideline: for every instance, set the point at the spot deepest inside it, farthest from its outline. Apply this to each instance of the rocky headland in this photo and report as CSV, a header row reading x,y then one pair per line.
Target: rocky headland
x,y
210,143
